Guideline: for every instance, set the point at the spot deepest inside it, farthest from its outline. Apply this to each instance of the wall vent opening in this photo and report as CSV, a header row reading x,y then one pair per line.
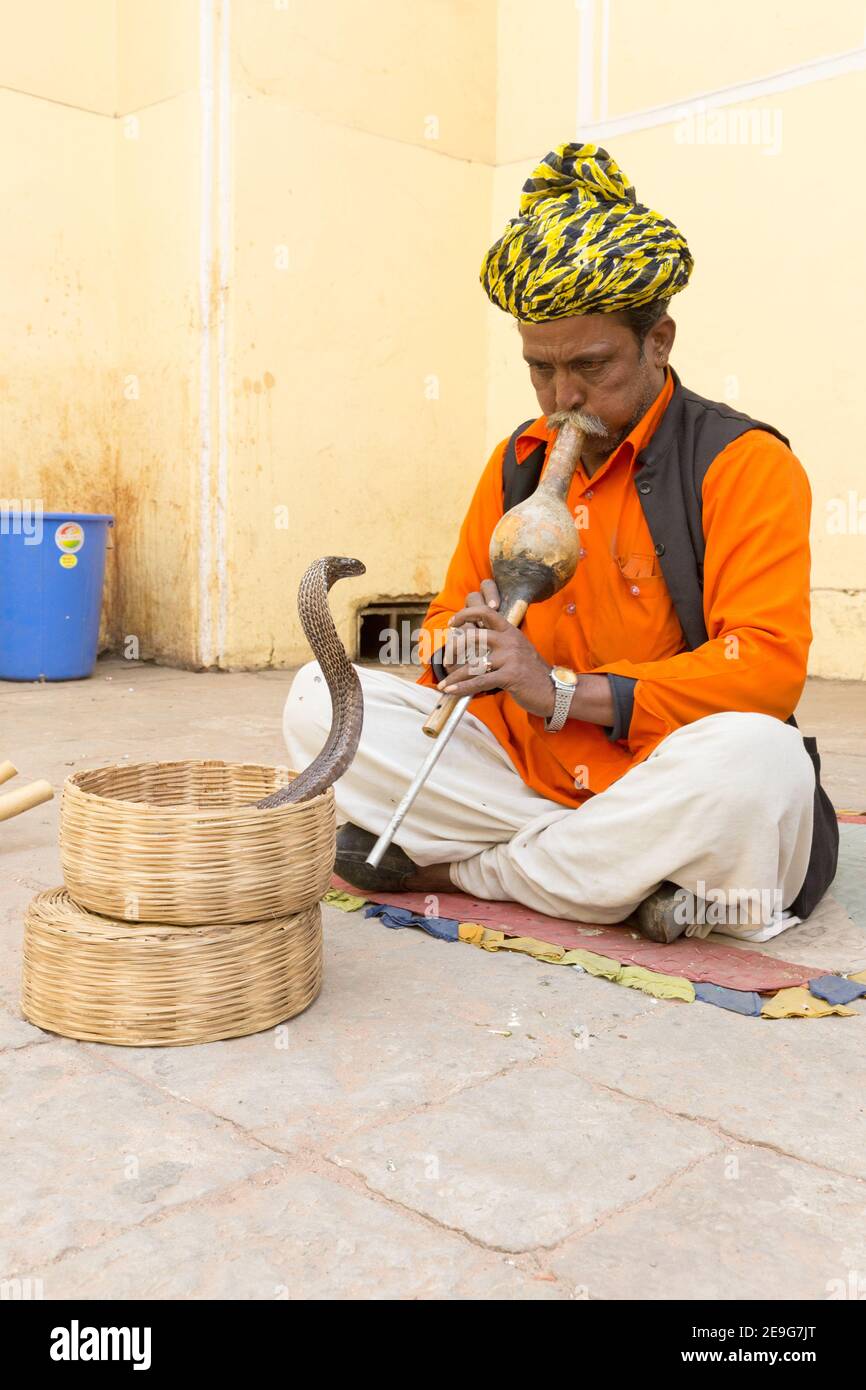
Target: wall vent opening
x,y
388,632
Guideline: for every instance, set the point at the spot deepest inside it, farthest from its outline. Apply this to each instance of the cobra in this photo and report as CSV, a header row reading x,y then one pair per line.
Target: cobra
x,y
347,700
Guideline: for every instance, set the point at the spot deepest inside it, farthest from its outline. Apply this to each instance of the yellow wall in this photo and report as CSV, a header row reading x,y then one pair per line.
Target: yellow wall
x,y
359,196
244,310
58,328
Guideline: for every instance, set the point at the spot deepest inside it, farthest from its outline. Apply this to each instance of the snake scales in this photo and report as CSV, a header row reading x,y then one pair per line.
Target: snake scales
x,y
347,700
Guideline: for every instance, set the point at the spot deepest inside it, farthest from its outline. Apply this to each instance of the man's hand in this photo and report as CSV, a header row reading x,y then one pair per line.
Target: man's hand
x,y
479,633
464,642
497,656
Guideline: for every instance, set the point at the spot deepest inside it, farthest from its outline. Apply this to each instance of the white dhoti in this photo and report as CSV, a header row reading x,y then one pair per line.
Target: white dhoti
x,y
722,807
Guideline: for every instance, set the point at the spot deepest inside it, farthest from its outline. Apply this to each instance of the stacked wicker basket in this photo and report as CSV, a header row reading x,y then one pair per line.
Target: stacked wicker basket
x,y
188,915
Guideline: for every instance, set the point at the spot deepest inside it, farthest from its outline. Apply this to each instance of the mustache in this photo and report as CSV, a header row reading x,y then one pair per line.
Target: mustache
x,y
581,419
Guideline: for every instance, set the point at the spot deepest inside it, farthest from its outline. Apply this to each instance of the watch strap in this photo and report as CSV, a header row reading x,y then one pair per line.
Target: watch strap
x,y
561,706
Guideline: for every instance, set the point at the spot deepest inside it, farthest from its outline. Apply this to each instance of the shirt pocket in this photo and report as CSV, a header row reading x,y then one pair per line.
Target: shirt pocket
x,y
639,566
634,618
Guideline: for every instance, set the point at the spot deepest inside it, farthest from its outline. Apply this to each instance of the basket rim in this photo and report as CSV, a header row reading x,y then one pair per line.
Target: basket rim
x,y
72,784
56,910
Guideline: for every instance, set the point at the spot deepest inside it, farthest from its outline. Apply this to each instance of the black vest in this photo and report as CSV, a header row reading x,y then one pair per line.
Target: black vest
x,y
673,466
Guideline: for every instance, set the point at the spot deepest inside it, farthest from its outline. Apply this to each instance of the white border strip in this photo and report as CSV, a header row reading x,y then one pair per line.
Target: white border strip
x,y
586,63
605,60
225,240
819,70
206,111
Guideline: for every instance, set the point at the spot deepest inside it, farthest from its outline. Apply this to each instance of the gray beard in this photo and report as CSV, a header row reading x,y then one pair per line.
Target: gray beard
x,y
609,442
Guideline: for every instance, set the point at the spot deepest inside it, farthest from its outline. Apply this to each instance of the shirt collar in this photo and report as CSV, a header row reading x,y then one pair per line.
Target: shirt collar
x,y
639,437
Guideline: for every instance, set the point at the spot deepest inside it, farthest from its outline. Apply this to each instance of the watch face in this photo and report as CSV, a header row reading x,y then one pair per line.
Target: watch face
x,y
564,675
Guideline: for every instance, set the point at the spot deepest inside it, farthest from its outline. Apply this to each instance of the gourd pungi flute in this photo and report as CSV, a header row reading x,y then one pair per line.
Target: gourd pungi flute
x,y
533,554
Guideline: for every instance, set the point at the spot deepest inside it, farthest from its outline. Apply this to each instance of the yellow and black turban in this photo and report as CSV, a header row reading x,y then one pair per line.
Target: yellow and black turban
x,y
582,243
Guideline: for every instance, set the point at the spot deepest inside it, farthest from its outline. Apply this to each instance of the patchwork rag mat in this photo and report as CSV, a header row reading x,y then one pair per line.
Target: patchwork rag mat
x,y
718,971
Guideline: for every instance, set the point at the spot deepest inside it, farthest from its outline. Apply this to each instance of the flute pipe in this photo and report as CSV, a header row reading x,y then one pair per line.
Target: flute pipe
x,y
374,858
529,564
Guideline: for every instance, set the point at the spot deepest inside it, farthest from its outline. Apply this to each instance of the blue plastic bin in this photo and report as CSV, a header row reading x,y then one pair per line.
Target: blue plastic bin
x,y
51,573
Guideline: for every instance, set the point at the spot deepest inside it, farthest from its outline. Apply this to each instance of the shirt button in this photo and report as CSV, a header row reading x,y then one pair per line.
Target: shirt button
x,y
635,589
570,607
582,552
644,487
660,549
588,494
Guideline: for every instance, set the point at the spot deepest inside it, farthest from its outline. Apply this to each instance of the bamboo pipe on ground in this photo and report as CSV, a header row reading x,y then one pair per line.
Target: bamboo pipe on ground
x,y
533,553
24,799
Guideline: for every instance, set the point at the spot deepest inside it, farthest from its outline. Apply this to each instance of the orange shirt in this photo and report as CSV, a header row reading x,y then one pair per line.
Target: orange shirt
x,y
616,614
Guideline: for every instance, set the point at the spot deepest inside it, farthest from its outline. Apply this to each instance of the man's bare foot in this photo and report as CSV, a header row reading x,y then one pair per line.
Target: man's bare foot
x,y
431,878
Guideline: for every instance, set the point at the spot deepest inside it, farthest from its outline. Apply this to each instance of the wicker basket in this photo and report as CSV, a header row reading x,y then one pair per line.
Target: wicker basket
x,y
183,843
99,980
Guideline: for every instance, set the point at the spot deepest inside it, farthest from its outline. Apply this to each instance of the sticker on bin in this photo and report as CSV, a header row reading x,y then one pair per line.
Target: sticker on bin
x,y
69,561
69,537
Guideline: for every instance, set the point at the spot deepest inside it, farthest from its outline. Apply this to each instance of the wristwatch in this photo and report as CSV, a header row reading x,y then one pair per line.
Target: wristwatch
x,y
565,682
